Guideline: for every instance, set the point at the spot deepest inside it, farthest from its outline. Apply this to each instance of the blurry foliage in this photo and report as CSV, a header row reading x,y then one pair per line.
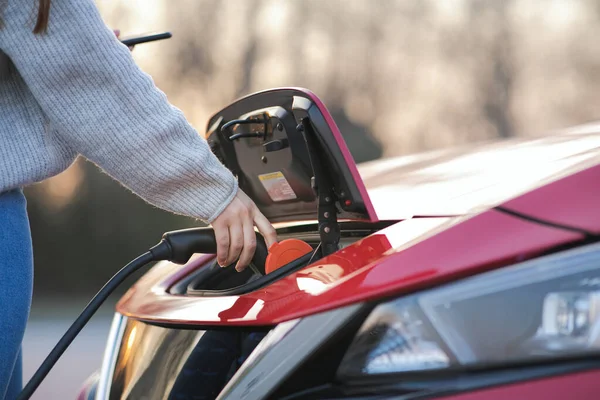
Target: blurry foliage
x,y
399,76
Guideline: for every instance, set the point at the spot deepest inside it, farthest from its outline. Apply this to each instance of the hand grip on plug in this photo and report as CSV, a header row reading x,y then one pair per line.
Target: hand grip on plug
x,y
184,243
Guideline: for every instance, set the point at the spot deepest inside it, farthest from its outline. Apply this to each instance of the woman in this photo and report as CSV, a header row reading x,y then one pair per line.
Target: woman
x,y
68,87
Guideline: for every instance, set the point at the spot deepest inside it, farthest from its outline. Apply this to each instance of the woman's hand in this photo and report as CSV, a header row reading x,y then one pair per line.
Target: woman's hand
x,y
234,231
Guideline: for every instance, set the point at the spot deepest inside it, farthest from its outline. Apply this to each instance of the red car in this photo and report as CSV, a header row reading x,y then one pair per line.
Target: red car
x,y
471,273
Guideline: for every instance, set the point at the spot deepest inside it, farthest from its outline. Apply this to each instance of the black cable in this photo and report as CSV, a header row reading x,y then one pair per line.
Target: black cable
x,y
81,321
264,121
177,247
242,122
245,135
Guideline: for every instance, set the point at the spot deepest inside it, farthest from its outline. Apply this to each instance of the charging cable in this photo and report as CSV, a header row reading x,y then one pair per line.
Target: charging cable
x,y
177,247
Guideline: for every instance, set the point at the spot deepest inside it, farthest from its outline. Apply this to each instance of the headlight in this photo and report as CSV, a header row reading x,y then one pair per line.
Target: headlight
x,y
545,308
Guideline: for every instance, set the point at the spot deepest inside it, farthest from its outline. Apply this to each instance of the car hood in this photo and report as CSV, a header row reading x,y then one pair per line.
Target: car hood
x,y
409,255
474,178
459,235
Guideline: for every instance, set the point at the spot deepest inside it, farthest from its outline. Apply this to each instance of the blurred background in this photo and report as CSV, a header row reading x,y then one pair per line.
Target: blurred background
x,y
399,76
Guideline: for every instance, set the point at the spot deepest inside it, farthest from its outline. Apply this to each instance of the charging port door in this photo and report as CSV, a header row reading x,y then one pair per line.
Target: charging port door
x,y
290,158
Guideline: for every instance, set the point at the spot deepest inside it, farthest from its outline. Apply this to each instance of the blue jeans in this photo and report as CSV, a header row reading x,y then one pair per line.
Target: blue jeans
x,y
16,285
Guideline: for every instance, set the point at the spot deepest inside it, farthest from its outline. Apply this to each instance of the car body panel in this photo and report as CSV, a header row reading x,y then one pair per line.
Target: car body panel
x,y
576,386
540,177
448,229
472,179
404,257
567,202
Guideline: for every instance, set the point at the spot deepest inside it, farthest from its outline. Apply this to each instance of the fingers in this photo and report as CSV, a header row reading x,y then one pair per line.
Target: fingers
x,y
265,228
222,238
236,241
234,232
249,245
117,33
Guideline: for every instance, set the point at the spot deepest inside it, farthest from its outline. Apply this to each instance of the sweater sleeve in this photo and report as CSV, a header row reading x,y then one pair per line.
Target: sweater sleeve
x,y
110,111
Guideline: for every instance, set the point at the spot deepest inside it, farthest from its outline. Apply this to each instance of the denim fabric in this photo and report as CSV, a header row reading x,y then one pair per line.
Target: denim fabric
x,y
16,284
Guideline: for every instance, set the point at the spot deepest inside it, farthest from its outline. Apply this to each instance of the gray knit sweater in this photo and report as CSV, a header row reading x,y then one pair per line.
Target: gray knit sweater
x,y
76,90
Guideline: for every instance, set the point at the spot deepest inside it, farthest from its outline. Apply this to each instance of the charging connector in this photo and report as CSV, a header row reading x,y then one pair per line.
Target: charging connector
x,y
177,247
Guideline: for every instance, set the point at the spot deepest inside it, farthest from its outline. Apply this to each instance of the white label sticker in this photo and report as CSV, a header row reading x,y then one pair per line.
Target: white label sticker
x,y
277,186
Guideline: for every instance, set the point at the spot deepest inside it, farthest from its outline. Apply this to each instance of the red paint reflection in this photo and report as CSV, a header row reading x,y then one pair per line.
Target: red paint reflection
x,y
239,309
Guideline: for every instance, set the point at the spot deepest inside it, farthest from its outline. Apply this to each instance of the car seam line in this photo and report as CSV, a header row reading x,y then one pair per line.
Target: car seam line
x,y
551,224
